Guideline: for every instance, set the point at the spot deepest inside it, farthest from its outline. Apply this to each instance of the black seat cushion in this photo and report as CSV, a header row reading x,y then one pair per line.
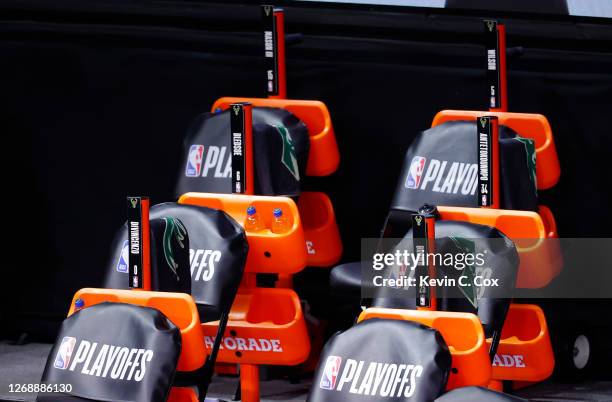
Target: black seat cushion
x,y
346,279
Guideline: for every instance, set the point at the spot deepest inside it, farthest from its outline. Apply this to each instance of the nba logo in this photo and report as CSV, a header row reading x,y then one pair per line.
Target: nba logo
x,y
413,179
194,161
64,353
330,373
122,264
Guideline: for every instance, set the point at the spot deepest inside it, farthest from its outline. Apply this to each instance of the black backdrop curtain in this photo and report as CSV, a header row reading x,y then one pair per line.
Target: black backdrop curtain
x,y
96,97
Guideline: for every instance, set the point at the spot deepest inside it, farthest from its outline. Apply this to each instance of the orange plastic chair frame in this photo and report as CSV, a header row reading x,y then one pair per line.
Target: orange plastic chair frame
x,y
323,244
182,394
548,219
462,332
269,252
540,255
265,326
324,157
528,125
180,308
524,352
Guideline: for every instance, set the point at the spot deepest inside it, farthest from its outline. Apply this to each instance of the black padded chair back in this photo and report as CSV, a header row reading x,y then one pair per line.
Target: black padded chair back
x,y
134,357
280,144
440,168
380,361
501,262
217,250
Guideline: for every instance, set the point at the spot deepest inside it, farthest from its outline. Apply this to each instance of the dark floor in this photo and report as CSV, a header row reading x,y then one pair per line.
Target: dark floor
x,y
24,364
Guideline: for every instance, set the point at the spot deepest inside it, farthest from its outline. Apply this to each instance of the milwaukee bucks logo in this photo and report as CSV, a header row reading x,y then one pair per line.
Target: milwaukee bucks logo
x,y
236,109
288,158
418,219
174,233
467,247
483,122
267,10
530,152
490,25
134,202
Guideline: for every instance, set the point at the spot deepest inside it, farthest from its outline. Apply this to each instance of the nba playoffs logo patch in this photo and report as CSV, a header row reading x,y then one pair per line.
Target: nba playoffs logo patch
x,y
122,264
413,179
64,353
330,373
194,161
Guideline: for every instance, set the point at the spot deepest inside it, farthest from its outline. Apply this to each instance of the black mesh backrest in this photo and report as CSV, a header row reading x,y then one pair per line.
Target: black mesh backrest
x,y
280,148
382,360
440,168
217,254
500,255
114,352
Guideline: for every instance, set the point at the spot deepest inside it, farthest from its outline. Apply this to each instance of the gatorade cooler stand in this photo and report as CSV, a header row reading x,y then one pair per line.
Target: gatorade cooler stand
x,y
524,354
540,254
316,210
266,325
321,235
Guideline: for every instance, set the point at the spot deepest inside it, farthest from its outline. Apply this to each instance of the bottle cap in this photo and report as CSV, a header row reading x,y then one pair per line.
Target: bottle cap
x,y
277,212
251,210
79,303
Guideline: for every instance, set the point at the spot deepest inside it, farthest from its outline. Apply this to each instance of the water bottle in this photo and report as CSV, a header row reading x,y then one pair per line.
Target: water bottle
x,y
79,304
280,224
253,221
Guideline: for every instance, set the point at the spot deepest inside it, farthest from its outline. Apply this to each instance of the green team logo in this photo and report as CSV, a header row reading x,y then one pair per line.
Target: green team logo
x,y
530,153
134,202
469,291
288,158
174,230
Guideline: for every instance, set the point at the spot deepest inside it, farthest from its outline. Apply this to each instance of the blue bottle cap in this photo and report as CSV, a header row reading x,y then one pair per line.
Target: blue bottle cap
x,y
251,210
277,212
79,303
218,110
